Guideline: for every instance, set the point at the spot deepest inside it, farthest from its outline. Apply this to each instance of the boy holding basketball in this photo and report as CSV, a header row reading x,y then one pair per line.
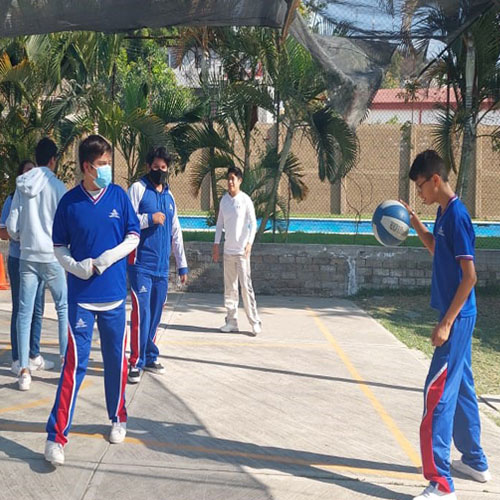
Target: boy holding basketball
x,y
450,405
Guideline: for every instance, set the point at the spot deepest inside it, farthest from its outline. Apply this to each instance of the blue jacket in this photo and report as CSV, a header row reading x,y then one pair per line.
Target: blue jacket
x,y
157,241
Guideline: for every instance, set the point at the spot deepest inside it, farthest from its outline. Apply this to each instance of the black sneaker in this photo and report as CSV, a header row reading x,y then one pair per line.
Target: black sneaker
x,y
155,367
134,375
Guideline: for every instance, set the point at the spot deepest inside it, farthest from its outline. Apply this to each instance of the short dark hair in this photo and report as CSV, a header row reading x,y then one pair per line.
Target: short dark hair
x,y
21,166
45,150
236,171
426,164
159,152
92,148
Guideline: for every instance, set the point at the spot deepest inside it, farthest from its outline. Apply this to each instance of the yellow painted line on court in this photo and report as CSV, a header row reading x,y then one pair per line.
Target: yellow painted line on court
x,y
386,418
24,406
38,402
386,473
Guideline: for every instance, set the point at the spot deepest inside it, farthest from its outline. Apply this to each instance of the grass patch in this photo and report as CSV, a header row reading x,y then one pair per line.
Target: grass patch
x,y
408,316
308,238
332,239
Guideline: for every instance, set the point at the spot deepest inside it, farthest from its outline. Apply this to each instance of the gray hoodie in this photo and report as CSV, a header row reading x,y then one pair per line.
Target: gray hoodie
x,y
32,213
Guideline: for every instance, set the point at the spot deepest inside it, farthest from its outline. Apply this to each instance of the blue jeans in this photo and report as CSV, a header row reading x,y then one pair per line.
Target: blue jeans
x,y
36,322
31,274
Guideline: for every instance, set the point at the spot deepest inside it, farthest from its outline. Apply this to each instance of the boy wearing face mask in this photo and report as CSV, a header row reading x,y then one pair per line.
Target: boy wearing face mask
x,y
149,264
95,228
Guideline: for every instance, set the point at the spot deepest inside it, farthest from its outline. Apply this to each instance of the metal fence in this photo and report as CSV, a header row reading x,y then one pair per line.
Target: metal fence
x,y
386,151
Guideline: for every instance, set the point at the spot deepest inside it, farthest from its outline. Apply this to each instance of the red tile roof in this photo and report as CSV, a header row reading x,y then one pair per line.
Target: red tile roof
x,y
431,96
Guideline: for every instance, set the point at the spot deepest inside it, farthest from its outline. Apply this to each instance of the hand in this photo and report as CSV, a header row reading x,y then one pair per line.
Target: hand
x,y
159,218
248,249
410,210
183,279
440,334
84,269
215,252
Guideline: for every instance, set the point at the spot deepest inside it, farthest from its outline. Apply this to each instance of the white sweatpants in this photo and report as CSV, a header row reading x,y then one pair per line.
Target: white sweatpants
x,y
237,268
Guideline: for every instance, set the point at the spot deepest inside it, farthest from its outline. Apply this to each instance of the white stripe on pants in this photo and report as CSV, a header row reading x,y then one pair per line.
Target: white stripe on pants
x,y
237,268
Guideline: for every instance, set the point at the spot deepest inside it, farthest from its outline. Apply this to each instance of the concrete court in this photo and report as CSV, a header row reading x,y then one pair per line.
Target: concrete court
x,y
324,404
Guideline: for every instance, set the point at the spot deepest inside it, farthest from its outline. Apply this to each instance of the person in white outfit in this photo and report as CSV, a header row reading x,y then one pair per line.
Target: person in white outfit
x,y
237,219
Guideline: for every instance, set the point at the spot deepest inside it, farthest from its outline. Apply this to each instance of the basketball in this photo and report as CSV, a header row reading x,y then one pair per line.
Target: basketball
x,y
391,223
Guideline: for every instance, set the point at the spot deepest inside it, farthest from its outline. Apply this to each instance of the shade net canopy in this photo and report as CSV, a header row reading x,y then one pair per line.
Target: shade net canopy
x,y
353,40
29,17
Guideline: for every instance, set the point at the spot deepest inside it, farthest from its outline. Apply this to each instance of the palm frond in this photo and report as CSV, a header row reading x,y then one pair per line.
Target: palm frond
x,y
335,143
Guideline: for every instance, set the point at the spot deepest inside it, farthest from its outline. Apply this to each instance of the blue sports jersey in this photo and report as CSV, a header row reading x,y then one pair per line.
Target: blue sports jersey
x,y
89,227
454,240
157,240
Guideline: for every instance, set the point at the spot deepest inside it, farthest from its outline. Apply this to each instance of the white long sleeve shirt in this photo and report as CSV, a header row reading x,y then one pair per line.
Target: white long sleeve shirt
x,y
237,219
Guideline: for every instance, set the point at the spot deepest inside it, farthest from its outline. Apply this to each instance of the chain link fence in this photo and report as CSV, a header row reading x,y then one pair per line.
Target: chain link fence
x,y
386,151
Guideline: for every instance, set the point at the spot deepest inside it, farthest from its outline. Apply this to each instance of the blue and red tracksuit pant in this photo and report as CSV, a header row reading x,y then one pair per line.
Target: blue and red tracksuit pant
x,y
450,409
112,331
149,294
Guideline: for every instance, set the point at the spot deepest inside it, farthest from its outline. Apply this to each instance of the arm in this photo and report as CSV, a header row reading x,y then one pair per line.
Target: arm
x,y
109,257
442,330
4,234
135,194
12,222
218,234
424,234
178,247
82,269
252,227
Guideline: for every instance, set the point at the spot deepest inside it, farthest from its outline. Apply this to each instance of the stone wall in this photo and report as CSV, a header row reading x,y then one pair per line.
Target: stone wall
x,y
324,270
329,270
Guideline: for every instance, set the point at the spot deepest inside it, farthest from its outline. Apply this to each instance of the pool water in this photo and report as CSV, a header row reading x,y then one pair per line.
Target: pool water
x,y
332,226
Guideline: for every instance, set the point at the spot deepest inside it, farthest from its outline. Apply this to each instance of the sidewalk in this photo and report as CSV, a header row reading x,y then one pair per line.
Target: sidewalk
x,y
324,404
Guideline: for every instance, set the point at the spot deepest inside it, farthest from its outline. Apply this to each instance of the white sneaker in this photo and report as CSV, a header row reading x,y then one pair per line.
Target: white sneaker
x,y
257,328
24,381
54,453
39,363
467,470
432,493
15,367
229,327
118,432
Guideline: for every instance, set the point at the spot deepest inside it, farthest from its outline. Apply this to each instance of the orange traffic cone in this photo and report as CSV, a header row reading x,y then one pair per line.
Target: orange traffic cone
x,y
4,284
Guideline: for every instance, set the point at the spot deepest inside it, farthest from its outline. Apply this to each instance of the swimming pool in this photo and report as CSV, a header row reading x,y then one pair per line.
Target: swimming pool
x,y
333,226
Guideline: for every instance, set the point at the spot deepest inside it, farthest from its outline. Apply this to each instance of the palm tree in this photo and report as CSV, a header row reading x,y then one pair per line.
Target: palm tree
x,y
258,73
469,67
302,88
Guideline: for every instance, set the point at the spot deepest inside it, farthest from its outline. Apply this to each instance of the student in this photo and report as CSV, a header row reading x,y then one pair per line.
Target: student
x,y
149,264
450,405
237,219
95,228
36,360
30,221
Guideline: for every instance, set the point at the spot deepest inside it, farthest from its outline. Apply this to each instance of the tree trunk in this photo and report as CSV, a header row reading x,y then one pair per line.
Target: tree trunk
x,y
469,138
271,204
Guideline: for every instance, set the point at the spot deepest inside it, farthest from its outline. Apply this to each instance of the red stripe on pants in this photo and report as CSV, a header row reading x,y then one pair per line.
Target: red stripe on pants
x,y
434,394
134,330
122,413
67,391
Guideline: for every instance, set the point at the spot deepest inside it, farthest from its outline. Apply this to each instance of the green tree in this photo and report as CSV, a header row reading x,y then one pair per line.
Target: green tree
x,y
470,68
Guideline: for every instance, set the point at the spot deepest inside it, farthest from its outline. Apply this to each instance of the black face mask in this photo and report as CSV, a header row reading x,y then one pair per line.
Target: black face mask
x,y
158,177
